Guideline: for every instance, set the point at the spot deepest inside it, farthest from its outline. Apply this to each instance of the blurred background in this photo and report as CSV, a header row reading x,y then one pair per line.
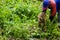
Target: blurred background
x,y
19,21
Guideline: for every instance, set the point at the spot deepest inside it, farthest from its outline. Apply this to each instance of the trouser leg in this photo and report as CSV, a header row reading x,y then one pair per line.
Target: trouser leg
x,y
59,18
51,17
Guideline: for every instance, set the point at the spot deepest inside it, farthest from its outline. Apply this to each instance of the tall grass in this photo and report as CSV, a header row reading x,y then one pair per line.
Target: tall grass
x,y
18,20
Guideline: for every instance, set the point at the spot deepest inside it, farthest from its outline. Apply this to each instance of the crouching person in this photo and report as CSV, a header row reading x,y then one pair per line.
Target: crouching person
x,y
41,17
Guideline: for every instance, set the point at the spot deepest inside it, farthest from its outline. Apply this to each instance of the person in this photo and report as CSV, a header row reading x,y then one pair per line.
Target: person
x,y
51,4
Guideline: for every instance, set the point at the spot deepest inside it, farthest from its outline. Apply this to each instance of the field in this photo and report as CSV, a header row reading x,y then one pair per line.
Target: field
x,y
19,21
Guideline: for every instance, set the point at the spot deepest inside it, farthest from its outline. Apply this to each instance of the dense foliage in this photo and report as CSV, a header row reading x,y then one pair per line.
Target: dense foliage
x,y
18,20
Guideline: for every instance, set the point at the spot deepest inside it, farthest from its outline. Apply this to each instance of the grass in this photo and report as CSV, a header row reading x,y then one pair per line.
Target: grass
x,y
18,20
